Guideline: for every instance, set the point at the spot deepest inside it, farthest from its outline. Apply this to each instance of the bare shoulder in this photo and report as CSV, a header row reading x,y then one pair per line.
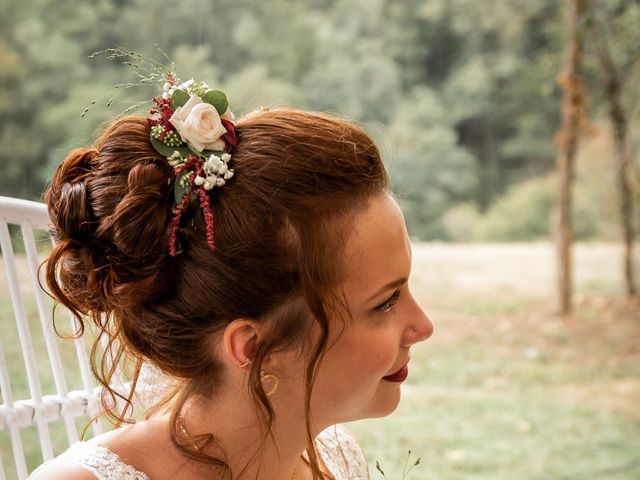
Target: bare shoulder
x,y
60,471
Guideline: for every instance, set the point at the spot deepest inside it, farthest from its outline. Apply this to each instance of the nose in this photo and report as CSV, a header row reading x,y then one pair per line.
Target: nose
x,y
424,328
420,328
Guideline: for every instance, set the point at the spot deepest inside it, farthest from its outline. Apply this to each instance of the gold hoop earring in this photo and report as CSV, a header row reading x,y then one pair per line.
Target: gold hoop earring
x,y
245,364
268,377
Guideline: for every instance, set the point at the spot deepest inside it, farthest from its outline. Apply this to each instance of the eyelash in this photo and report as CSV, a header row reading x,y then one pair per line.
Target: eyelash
x,y
388,305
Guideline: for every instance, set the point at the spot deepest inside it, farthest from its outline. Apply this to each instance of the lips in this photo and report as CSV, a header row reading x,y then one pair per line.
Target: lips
x,y
399,376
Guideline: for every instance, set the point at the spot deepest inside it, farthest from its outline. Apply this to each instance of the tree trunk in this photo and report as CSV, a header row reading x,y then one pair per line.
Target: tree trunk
x,y
572,113
623,163
612,87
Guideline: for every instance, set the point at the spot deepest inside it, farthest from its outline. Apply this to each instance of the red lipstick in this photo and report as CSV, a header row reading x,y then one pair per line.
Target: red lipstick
x,y
399,376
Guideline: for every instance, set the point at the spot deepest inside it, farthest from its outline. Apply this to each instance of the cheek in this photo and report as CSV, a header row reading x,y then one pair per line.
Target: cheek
x,y
370,352
349,383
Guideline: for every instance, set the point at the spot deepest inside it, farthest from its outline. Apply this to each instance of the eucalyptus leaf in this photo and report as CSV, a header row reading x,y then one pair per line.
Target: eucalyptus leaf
x,y
218,99
166,150
179,188
179,98
193,150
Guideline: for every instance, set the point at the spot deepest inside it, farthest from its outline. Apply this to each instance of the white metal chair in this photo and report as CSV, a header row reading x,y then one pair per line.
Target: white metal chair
x,y
40,408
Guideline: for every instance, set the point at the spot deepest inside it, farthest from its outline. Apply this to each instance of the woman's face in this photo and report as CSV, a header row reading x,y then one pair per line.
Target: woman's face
x,y
367,361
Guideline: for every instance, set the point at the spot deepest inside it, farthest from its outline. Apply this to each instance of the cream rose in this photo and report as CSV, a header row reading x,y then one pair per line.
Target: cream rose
x,y
198,123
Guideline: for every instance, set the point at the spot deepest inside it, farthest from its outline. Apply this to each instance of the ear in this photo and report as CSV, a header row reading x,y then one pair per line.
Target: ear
x,y
240,340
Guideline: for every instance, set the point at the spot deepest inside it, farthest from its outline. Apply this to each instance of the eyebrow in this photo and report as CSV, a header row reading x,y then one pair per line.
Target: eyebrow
x,y
388,286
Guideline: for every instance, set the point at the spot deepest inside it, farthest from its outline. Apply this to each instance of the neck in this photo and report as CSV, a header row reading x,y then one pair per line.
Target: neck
x,y
240,440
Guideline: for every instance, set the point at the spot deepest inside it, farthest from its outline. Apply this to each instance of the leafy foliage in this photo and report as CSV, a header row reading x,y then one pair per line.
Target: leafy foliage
x,y
461,94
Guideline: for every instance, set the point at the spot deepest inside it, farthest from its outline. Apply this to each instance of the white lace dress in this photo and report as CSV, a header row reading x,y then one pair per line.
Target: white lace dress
x,y
339,450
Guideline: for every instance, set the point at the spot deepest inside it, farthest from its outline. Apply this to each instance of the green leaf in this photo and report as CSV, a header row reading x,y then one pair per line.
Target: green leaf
x,y
193,150
179,188
218,99
179,98
166,150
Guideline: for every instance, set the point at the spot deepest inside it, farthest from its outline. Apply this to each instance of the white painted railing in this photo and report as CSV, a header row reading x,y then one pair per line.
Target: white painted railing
x,y
41,407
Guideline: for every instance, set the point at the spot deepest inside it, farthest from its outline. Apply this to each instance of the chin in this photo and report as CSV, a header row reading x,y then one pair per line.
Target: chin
x,y
384,405
389,408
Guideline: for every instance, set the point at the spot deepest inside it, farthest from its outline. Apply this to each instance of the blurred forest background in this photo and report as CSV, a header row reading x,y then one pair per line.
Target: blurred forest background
x,y
462,96
465,100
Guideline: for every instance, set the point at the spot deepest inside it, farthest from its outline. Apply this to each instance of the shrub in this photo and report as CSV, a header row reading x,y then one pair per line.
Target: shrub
x,y
526,212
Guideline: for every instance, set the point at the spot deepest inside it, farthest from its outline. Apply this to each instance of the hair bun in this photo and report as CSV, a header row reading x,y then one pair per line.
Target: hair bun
x,y
110,210
138,226
69,205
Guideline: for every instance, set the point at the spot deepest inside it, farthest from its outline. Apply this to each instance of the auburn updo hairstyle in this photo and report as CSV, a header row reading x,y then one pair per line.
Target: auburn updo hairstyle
x,y
279,224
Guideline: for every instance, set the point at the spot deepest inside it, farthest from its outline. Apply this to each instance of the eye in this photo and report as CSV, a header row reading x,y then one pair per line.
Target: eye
x,y
389,303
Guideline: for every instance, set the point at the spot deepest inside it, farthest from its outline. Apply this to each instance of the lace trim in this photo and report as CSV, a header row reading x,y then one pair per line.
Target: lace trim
x,y
342,455
100,461
338,449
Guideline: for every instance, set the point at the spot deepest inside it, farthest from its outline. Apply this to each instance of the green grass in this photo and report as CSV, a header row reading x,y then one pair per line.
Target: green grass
x,y
504,389
470,413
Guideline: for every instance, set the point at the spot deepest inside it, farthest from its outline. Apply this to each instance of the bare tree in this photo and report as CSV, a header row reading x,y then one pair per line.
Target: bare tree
x,y
573,107
612,84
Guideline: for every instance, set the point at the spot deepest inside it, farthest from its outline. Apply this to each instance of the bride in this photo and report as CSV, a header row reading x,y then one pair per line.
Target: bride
x,y
261,265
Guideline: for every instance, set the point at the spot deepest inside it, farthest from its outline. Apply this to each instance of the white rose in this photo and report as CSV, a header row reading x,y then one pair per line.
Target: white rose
x,y
198,123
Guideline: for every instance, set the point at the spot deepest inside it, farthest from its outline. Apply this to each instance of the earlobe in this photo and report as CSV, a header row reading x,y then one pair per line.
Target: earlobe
x,y
240,340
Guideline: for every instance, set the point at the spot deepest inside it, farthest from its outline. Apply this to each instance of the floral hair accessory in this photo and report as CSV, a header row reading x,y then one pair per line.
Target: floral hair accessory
x,y
192,126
